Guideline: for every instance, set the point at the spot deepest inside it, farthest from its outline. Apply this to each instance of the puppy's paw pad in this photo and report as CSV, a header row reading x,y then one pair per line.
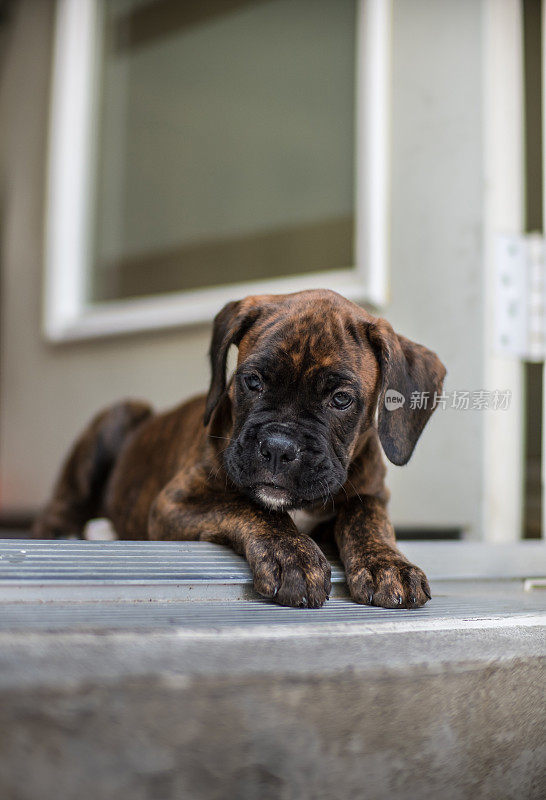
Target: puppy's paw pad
x,y
267,578
293,573
391,584
361,586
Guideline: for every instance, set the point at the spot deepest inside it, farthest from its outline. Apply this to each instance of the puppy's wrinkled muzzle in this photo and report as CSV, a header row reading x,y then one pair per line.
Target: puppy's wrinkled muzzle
x,y
278,453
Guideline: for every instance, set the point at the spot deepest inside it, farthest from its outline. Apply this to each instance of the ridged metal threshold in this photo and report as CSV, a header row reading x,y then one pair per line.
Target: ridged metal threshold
x,y
65,561
502,601
85,586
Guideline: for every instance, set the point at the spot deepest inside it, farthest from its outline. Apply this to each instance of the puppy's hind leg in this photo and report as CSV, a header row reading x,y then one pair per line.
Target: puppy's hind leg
x,y
78,493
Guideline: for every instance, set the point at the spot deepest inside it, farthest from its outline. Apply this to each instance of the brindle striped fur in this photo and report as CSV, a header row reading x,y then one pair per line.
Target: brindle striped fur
x,y
171,477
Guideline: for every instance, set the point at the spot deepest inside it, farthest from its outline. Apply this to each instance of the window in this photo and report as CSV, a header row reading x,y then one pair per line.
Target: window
x,y
200,152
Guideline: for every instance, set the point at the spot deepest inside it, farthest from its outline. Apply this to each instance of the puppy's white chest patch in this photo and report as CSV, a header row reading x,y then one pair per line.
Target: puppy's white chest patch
x,y
305,522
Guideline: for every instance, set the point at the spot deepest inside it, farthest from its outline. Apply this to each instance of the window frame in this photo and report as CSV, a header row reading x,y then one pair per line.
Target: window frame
x,y
69,315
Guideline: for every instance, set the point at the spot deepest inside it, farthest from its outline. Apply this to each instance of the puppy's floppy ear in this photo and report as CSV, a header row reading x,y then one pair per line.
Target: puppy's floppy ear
x,y
230,325
406,367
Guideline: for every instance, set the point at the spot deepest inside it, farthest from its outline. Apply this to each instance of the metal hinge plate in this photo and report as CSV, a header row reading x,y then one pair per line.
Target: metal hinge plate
x,y
520,296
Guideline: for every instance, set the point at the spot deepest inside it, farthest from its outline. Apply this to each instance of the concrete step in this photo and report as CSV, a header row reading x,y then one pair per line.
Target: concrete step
x,y
105,693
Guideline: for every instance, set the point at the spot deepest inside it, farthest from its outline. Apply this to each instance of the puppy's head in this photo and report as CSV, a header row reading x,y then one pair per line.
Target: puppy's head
x,y
313,369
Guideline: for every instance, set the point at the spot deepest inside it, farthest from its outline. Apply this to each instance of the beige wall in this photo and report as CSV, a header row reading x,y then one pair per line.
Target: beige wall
x,y
48,392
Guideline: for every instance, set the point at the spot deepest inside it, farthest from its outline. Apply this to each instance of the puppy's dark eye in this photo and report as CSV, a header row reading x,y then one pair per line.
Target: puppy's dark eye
x,y
253,382
341,400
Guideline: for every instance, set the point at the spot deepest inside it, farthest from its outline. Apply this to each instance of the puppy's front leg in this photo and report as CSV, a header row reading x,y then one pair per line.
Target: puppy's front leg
x,y
377,572
287,565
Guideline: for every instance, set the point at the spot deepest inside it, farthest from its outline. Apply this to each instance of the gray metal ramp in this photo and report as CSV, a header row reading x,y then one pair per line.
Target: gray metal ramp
x,y
79,585
80,570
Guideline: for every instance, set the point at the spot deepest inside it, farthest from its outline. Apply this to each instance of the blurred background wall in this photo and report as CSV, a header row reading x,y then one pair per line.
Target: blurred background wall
x,y
47,392
243,124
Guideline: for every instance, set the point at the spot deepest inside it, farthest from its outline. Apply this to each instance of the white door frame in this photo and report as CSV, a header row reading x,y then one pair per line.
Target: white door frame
x,y
68,315
503,214
543,471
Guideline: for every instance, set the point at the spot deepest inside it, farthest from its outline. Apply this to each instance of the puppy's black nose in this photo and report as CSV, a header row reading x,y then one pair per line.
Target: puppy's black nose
x,y
278,450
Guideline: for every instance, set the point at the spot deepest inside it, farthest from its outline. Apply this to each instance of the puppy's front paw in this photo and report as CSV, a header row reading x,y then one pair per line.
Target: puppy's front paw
x,y
389,582
292,571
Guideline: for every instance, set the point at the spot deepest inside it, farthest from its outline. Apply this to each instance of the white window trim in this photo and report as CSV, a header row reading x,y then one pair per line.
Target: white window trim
x,y
67,314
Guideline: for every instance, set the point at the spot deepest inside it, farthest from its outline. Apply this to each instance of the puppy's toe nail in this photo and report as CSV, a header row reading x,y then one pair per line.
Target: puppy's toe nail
x,y
303,602
398,599
370,598
413,599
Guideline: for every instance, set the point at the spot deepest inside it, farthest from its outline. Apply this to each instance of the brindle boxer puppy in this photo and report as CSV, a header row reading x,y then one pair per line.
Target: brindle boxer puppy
x,y
295,429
